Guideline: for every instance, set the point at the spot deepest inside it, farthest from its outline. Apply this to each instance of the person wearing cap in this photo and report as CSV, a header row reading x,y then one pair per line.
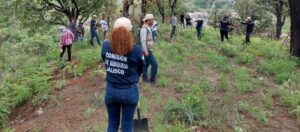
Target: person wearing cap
x,y
174,25
124,64
147,46
66,40
94,33
249,30
199,28
224,28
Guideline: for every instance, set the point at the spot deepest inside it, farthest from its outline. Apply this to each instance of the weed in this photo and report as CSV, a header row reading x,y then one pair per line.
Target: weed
x,y
243,80
245,58
223,84
281,69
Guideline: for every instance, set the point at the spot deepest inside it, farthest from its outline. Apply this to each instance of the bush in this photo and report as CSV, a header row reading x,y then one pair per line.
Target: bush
x,y
244,82
245,58
219,61
193,106
281,69
229,50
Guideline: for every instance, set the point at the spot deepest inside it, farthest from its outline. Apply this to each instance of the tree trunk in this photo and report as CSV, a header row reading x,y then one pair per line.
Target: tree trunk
x,y
295,27
126,10
161,10
143,11
280,19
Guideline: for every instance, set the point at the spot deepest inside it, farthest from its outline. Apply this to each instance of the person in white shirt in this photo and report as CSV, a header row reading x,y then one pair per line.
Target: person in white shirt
x,y
104,26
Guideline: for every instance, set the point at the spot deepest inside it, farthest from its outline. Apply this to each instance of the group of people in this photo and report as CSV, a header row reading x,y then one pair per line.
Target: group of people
x,y
226,26
73,33
126,61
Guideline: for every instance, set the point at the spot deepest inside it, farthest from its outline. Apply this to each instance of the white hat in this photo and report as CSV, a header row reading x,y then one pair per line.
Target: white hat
x,y
248,18
148,17
123,22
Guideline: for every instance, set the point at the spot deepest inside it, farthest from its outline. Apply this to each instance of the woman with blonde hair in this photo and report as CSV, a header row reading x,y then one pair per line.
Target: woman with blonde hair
x,y
124,65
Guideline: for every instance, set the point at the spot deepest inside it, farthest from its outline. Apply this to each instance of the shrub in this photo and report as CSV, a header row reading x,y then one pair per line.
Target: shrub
x,y
281,69
245,58
193,106
243,80
255,112
229,50
219,62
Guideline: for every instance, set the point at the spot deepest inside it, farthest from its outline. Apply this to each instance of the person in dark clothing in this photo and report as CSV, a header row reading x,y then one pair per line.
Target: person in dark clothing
x,y
124,65
250,26
94,33
188,21
80,32
199,28
73,28
182,19
224,28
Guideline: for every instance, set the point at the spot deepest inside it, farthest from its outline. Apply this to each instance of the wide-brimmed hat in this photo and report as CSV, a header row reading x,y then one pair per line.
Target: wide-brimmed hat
x,y
95,16
123,22
148,17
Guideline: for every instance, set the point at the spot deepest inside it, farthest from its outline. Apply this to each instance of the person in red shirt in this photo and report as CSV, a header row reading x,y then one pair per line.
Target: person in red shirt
x,y
66,41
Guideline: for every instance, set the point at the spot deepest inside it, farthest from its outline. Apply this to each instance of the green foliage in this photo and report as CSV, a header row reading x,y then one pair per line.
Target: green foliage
x,y
193,106
223,83
219,61
229,50
243,80
254,111
281,69
245,58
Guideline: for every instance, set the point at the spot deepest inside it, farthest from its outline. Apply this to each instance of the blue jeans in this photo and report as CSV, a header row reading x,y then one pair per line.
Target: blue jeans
x,y
150,60
79,37
121,102
199,33
94,33
248,35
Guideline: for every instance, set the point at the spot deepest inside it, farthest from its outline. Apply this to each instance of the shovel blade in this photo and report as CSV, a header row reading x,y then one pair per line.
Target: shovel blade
x,y
140,125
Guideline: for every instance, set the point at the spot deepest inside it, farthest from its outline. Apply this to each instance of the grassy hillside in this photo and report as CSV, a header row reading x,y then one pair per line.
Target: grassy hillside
x,y
203,85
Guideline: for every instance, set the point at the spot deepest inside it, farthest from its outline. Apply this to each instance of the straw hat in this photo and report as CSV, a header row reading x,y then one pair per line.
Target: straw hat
x,y
123,22
148,17
95,16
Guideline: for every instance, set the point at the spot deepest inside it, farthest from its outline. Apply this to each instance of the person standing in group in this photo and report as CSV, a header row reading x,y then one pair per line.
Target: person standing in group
x,y
80,32
66,41
147,46
154,31
224,28
182,20
124,65
104,26
73,28
174,25
199,28
250,26
188,21
94,33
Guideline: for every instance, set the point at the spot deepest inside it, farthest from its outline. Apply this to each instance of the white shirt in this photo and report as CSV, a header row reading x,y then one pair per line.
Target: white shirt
x,y
104,25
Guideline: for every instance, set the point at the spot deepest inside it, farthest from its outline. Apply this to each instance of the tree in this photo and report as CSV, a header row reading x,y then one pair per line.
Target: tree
x,y
161,8
40,12
172,5
126,6
295,27
280,9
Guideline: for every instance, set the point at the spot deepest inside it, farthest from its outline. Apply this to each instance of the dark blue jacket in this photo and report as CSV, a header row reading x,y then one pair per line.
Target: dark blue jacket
x,y
199,24
122,71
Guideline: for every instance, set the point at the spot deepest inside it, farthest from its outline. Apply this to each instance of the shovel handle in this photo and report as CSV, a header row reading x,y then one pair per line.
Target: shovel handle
x,y
138,113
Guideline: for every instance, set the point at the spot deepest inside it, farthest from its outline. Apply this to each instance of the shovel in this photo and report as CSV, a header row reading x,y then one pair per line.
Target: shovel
x,y
140,125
